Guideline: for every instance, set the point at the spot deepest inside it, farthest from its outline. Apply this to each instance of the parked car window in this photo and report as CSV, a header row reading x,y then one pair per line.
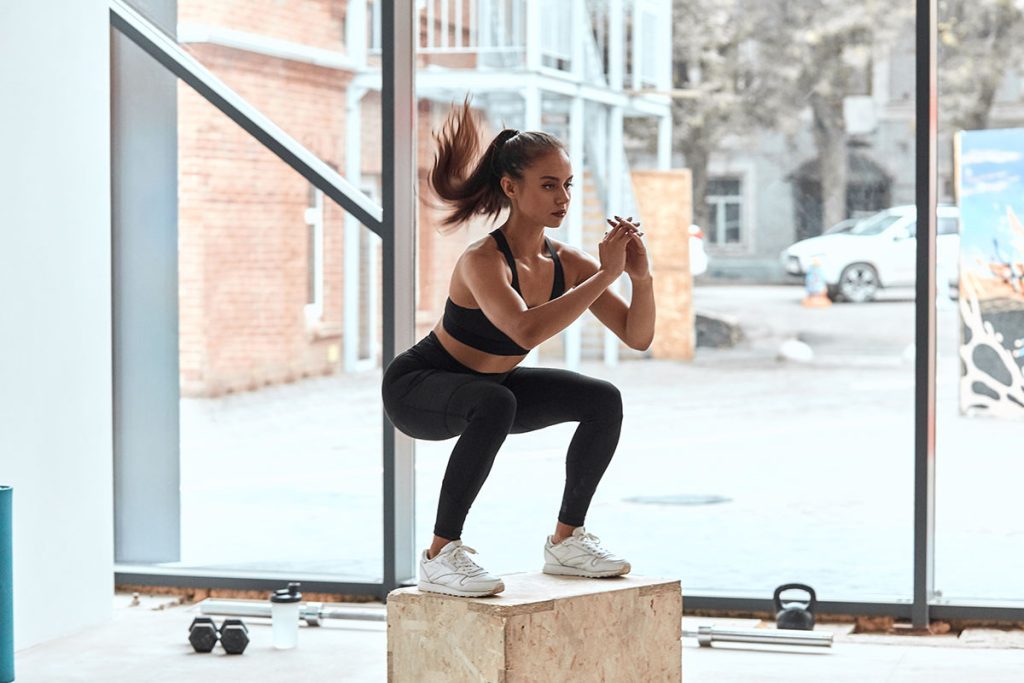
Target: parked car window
x,y
949,225
874,225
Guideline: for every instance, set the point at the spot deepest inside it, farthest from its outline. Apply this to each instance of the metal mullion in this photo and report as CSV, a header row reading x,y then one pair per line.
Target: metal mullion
x,y
398,125
924,332
725,604
159,577
975,613
168,53
896,609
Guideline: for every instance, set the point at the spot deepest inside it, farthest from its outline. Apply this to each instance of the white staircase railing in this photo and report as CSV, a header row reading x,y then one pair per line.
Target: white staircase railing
x,y
496,32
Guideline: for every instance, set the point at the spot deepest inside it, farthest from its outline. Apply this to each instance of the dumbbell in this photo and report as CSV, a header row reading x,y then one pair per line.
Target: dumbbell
x,y
203,634
233,634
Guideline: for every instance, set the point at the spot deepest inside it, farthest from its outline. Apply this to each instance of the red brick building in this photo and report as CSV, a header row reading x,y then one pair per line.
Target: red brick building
x,y
261,264
245,252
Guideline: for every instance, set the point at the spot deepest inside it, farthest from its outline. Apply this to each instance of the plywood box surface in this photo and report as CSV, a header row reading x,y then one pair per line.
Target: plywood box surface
x,y
540,629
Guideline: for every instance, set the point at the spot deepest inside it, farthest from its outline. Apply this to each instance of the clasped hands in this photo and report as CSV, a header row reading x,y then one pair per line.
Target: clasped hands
x,y
636,266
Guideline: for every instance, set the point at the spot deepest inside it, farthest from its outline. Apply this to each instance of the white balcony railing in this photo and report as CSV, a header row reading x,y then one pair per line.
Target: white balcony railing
x,y
634,33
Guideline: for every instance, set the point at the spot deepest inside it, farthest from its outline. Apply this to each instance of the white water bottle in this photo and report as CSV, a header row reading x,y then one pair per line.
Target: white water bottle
x,y
284,616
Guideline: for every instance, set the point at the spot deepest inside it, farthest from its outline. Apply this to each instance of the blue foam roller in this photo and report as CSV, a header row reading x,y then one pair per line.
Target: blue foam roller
x,y
6,588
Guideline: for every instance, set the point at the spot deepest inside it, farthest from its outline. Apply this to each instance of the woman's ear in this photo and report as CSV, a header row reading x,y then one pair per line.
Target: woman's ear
x,y
508,186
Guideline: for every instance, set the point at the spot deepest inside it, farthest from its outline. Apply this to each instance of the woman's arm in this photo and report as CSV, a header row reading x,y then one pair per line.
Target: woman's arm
x,y
529,327
633,323
640,317
503,306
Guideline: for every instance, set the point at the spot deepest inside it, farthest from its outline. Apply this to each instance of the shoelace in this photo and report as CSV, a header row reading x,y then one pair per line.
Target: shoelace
x,y
593,544
462,561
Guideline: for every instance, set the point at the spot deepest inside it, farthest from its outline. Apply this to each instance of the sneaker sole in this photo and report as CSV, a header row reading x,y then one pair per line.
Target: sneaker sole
x,y
428,587
562,570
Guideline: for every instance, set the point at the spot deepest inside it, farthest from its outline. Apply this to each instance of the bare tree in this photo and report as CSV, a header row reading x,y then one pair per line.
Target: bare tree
x,y
713,86
744,65
825,47
979,42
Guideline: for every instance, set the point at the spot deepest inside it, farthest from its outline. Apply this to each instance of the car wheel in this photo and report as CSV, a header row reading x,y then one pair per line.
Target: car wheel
x,y
858,283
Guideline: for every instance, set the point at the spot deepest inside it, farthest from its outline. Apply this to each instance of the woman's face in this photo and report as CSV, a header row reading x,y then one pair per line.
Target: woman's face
x,y
542,195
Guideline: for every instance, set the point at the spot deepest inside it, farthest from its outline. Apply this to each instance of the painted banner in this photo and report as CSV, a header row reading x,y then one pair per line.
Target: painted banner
x,y
991,197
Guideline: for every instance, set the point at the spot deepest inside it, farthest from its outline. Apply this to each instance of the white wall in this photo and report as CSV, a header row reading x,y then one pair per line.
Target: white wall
x,y
55,320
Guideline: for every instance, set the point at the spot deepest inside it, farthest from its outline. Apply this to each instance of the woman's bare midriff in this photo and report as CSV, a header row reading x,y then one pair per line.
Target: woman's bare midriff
x,y
478,360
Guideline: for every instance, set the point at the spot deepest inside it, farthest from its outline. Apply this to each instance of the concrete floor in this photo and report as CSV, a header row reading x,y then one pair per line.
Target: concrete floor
x,y
149,643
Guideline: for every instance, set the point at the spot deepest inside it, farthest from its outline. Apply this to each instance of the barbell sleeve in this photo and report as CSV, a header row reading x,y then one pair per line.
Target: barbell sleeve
x,y
310,612
706,635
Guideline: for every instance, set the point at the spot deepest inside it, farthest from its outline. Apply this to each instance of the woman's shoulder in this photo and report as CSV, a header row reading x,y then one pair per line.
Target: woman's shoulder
x,y
482,254
484,248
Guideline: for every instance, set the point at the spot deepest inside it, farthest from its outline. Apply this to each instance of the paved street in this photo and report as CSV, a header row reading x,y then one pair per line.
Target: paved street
x,y
810,464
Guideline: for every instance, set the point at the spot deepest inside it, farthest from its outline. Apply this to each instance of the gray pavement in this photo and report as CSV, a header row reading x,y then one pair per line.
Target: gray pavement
x,y
814,462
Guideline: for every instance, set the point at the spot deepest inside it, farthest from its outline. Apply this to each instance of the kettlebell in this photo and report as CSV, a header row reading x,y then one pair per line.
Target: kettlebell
x,y
795,614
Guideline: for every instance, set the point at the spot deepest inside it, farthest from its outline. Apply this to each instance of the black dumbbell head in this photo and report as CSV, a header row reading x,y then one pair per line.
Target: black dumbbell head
x,y
234,636
202,634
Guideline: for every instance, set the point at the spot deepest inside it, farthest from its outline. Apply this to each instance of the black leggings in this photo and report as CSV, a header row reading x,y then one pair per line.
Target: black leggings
x,y
430,395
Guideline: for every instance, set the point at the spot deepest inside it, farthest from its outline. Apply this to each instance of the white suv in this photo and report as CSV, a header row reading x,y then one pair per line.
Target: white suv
x,y
880,251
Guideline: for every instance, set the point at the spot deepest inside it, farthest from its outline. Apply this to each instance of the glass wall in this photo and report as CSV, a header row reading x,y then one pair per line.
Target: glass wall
x,y
766,439
979,553
799,464
279,302
768,431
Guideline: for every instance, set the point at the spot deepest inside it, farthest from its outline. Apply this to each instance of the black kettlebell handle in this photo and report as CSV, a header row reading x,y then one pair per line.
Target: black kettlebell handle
x,y
777,599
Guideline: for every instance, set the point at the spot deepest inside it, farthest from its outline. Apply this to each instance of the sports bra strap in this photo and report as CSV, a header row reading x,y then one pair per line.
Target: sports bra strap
x,y
558,287
499,237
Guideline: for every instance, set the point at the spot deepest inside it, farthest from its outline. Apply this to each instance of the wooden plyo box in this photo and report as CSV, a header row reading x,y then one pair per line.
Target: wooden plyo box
x,y
541,629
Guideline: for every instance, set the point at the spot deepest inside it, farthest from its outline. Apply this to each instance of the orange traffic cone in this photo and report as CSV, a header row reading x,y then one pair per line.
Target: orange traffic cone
x,y
815,287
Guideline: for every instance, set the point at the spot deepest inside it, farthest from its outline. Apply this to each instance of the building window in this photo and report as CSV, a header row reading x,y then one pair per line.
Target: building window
x,y
725,208
315,255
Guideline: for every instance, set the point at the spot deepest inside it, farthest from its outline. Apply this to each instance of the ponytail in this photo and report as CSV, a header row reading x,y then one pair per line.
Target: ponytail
x,y
478,191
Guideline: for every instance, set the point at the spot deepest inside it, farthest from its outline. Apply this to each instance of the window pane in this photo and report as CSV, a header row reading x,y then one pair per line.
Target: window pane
x,y
980,309
713,218
732,223
875,225
724,187
757,458
280,436
949,226
280,452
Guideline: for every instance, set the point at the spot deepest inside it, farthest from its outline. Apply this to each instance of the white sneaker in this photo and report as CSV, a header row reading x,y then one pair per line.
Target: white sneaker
x,y
582,555
452,572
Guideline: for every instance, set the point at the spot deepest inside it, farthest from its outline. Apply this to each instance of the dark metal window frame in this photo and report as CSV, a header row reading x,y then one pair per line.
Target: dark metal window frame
x,y
398,24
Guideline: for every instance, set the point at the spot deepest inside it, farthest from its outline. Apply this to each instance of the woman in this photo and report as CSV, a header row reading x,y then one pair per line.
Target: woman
x,y
509,292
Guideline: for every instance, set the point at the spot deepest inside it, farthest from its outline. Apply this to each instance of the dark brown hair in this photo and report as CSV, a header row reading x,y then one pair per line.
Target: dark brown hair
x,y
469,189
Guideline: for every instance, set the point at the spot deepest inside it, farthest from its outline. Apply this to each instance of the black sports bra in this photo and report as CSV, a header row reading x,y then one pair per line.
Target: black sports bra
x,y
471,327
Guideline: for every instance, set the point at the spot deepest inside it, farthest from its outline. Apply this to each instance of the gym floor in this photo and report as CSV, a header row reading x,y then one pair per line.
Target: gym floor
x,y
148,642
